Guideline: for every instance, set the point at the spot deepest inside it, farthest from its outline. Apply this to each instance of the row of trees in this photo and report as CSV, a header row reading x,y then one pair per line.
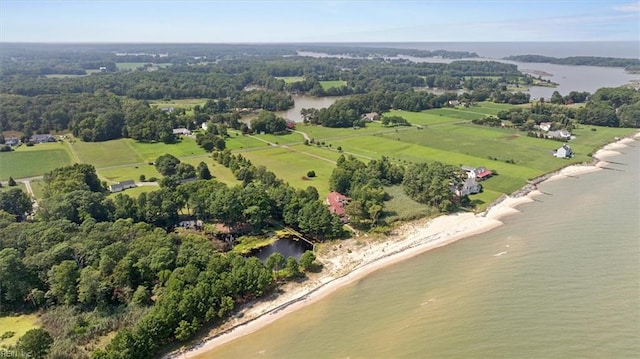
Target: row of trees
x,y
612,107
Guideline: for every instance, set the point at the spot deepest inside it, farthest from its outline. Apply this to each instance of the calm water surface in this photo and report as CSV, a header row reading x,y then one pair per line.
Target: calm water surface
x,y
304,101
559,280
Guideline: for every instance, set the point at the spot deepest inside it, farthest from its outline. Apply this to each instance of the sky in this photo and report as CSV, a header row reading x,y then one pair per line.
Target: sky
x,y
211,21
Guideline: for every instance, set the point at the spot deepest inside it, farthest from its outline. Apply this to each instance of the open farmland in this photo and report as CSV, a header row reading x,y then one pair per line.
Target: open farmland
x,y
292,164
445,135
330,84
33,161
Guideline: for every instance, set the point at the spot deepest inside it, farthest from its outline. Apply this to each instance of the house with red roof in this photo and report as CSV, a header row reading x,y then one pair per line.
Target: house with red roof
x,y
336,202
479,173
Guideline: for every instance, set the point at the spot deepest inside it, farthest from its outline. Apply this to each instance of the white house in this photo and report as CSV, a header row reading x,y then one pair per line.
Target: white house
x,y
121,186
562,134
564,152
204,126
181,131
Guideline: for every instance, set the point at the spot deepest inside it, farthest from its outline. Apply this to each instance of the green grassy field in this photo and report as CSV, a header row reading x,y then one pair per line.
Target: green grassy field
x,y
181,103
19,325
401,207
291,79
335,83
446,135
292,166
33,161
131,172
127,151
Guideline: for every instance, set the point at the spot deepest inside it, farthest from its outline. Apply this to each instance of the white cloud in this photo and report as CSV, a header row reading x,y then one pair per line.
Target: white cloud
x,y
631,7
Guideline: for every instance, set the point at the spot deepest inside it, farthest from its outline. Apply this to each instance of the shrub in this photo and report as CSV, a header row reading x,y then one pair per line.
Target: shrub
x,y
311,174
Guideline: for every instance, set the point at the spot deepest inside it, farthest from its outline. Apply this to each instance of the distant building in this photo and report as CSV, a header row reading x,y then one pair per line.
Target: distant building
x,y
204,126
371,116
545,126
43,138
181,132
564,152
167,109
291,124
560,134
454,102
13,141
121,186
103,69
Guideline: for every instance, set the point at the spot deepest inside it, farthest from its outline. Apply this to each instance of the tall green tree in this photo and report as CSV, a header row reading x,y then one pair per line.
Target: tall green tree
x,y
35,343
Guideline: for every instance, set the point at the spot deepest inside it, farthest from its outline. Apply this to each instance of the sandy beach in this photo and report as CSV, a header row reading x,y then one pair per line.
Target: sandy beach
x,y
347,261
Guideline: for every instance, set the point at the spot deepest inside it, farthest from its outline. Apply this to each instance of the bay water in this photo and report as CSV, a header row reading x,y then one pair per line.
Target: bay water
x,y
560,279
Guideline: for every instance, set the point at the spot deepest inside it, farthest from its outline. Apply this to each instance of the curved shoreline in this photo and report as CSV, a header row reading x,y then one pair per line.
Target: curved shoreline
x,y
357,260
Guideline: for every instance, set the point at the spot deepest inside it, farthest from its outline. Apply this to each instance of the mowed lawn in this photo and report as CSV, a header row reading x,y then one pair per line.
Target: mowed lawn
x,y
33,161
292,165
335,83
128,151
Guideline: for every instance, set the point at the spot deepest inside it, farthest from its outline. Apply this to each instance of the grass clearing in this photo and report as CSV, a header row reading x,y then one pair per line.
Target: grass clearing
x,y
19,324
186,103
219,172
132,172
33,161
292,165
150,151
286,138
105,154
401,207
290,79
330,84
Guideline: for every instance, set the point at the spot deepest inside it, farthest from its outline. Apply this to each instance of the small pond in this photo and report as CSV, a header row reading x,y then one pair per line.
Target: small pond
x,y
288,247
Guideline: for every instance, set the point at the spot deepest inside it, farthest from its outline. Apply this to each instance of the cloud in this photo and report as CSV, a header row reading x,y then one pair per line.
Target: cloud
x,y
631,7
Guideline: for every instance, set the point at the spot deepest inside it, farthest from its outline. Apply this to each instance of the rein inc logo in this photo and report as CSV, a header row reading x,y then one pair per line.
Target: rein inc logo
x,y
15,353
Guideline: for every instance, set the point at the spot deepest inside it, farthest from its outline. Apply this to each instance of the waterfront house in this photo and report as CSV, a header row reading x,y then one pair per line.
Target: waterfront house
x,y
564,152
478,173
470,186
336,202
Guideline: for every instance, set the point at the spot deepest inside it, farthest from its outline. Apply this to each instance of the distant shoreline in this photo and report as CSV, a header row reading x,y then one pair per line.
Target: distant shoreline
x,y
355,261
